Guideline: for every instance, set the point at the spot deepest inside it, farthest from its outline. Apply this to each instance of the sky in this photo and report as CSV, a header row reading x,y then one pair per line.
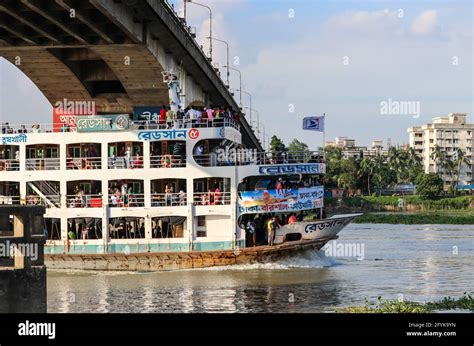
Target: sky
x,y
308,57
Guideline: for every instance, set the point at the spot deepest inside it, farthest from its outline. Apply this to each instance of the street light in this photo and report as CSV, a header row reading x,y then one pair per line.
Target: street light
x,y
227,44
258,119
250,96
210,22
240,82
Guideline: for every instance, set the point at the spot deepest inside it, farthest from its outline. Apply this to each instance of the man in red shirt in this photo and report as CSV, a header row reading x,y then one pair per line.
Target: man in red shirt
x,y
163,115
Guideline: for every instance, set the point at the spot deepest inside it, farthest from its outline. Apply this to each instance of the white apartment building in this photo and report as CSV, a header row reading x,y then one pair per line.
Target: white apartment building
x,y
450,133
349,148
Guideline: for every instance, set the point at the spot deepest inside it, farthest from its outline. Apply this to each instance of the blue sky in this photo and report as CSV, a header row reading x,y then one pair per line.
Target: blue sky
x,y
341,58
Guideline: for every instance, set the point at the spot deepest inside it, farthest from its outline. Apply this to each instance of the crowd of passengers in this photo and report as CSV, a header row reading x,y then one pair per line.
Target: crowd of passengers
x,y
194,117
6,129
122,194
168,197
279,184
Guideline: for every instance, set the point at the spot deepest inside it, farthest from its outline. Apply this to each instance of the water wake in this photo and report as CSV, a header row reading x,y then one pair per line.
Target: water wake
x,y
306,259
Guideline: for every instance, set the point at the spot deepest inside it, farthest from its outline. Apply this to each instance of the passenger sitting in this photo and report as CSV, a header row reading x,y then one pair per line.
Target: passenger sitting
x,y
292,219
217,195
85,233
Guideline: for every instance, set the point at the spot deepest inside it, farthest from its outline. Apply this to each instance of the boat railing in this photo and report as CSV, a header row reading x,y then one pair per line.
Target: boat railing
x,y
127,200
83,163
123,162
167,161
38,200
168,199
14,129
84,201
246,157
9,165
212,198
46,164
10,200
186,124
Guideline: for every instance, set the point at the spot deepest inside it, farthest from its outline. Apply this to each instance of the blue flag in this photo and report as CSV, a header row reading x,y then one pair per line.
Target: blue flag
x,y
314,123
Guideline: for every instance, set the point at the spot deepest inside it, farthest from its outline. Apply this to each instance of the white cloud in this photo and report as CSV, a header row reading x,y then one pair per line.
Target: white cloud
x,y
425,23
370,23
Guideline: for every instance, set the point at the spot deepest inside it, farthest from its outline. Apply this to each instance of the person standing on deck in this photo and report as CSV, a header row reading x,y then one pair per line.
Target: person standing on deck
x,y
251,235
162,115
268,229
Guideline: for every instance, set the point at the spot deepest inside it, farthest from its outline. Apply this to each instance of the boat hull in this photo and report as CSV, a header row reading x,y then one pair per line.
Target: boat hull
x,y
165,261
313,230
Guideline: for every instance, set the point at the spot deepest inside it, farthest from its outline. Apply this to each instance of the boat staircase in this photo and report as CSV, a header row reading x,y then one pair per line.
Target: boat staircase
x,y
48,192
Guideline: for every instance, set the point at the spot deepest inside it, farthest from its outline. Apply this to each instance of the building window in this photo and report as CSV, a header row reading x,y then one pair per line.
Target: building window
x,y
201,226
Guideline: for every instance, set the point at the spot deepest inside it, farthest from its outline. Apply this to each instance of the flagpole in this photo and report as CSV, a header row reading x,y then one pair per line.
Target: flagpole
x,y
324,136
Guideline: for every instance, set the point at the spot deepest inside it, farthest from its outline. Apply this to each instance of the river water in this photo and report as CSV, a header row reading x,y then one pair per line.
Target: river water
x,y
413,262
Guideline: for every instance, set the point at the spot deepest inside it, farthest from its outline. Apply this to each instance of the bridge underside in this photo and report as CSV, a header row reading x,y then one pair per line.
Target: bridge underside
x,y
116,77
112,52
109,51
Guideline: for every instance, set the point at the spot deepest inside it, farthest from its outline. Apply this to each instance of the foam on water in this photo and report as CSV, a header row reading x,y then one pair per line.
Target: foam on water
x,y
306,259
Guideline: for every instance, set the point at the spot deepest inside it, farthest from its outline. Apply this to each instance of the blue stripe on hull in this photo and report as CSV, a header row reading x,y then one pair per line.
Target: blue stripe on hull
x,y
141,248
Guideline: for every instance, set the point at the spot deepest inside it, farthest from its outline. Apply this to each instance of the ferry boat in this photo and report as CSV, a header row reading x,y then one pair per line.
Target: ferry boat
x,y
128,194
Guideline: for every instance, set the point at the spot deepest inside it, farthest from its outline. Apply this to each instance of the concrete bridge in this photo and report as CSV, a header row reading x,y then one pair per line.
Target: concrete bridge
x,y
111,52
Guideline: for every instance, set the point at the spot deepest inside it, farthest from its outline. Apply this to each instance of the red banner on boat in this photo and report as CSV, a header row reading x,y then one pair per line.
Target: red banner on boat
x,y
65,113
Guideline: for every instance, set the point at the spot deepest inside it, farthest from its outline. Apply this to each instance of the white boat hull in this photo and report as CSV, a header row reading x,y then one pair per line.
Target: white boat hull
x,y
313,230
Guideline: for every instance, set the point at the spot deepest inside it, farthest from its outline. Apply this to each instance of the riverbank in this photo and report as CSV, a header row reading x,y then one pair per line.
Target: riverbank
x,y
410,210
395,203
440,217
447,304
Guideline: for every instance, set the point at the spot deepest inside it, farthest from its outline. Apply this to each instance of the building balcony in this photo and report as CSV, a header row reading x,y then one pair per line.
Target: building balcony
x,y
124,162
84,201
212,198
167,161
73,163
168,199
46,164
9,165
129,200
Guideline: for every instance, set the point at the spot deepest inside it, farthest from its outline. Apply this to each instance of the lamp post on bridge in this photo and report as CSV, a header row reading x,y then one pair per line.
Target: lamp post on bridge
x,y
210,22
240,83
226,66
258,119
250,96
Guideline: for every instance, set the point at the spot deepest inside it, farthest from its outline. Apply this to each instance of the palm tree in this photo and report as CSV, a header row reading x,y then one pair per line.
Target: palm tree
x,y
461,159
346,181
367,166
414,160
439,156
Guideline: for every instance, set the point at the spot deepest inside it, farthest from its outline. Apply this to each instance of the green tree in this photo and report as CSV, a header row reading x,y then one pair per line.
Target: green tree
x,y
298,150
429,185
346,181
461,159
439,157
277,145
367,167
